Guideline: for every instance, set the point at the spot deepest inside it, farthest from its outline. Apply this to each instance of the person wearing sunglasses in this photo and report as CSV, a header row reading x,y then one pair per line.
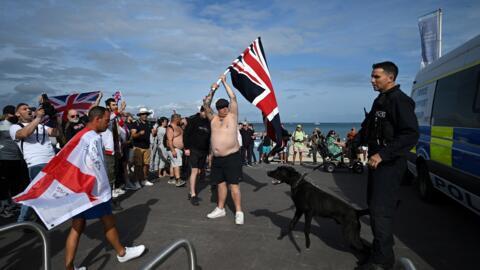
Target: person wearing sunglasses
x,y
74,124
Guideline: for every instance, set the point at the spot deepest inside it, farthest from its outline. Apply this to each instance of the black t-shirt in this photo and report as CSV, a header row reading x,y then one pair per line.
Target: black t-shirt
x,y
197,133
246,136
142,141
71,129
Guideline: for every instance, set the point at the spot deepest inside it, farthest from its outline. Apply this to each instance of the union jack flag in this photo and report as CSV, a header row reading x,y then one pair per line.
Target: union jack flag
x,y
251,77
78,101
117,96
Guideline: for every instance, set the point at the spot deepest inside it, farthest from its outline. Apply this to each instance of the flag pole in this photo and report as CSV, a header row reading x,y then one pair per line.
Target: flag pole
x,y
228,70
224,73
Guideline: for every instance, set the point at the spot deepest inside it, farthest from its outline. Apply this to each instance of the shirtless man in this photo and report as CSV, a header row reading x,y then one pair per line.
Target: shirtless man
x,y
175,147
227,161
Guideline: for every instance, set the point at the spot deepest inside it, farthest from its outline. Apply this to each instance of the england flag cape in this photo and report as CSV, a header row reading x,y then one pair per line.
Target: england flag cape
x,y
72,182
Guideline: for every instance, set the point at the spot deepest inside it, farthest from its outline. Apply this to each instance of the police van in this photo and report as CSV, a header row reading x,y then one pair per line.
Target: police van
x,y
447,98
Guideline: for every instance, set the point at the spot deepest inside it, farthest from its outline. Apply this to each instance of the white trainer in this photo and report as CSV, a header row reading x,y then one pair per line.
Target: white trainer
x,y
239,218
131,253
147,183
217,212
79,268
119,191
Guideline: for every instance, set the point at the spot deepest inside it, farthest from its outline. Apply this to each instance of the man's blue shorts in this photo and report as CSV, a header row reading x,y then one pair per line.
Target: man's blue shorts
x,y
97,211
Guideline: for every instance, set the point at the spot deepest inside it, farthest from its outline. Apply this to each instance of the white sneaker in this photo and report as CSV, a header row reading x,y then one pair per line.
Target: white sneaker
x,y
217,212
119,191
131,253
239,218
79,268
147,183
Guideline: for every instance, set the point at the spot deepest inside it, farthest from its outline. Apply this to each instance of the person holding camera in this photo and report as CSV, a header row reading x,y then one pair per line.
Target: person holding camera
x,y
32,136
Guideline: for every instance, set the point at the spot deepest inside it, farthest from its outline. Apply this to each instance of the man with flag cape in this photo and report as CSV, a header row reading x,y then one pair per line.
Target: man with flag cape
x,y
74,184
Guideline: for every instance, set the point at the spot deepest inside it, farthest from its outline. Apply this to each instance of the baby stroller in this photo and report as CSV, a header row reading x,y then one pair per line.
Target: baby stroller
x,y
333,161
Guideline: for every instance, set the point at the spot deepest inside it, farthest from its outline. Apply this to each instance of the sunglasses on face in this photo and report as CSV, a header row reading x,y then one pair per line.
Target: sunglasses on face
x,y
74,116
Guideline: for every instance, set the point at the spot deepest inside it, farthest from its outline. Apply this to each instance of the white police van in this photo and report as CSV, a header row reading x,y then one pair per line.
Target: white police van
x,y
447,156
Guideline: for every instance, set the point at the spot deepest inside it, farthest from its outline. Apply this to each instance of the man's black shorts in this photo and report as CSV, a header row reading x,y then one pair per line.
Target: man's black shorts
x,y
197,159
228,169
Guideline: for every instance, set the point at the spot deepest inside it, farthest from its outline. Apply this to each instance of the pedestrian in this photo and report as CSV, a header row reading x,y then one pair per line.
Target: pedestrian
x,y
252,145
162,150
298,138
247,144
13,169
112,139
32,136
390,130
266,145
141,147
75,122
174,144
99,119
227,161
315,140
197,145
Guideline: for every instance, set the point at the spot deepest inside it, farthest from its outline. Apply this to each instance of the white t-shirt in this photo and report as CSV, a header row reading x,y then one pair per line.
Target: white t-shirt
x,y
37,148
107,142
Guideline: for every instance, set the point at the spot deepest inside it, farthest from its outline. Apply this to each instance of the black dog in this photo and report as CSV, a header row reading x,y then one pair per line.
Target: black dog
x,y
311,201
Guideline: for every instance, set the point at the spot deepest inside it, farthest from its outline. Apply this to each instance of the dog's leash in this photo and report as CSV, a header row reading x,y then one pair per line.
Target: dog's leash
x,y
298,183
303,177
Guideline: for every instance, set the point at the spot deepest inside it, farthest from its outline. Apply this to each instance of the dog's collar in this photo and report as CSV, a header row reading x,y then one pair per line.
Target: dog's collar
x,y
299,181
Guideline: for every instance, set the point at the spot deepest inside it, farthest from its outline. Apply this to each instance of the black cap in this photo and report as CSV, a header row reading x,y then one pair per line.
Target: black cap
x,y
9,109
221,103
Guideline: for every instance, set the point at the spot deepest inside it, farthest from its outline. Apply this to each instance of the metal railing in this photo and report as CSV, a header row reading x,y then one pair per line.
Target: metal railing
x,y
36,228
170,250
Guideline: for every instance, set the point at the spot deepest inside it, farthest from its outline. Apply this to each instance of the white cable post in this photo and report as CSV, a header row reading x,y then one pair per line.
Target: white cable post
x,y
439,32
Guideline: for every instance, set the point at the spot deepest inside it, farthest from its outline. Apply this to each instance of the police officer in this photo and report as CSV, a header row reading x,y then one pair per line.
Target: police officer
x,y
390,129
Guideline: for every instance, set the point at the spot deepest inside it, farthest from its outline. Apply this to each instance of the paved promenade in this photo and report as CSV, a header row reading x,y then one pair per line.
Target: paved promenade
x,y
443,236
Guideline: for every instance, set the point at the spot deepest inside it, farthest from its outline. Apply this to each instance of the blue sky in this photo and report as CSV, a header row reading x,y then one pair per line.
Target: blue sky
x,y
164,55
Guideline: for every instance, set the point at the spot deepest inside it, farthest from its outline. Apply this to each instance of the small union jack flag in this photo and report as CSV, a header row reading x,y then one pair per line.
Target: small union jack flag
x,y
78,101
117,96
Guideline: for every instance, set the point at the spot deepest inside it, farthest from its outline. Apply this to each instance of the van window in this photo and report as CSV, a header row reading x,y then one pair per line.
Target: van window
x,y
456,100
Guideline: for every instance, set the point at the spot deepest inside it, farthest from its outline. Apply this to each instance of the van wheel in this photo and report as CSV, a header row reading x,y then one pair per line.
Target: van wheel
x,y
424,184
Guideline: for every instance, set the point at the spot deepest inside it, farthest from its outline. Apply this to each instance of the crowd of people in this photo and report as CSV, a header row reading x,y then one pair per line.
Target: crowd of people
x,y
182,148
135,147
298,143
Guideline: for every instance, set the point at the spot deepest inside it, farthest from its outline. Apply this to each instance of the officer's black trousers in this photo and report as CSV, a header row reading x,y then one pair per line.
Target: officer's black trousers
x,y
382,196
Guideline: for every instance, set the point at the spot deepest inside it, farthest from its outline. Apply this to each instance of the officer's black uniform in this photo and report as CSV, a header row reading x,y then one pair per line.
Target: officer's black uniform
x,y
391,130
